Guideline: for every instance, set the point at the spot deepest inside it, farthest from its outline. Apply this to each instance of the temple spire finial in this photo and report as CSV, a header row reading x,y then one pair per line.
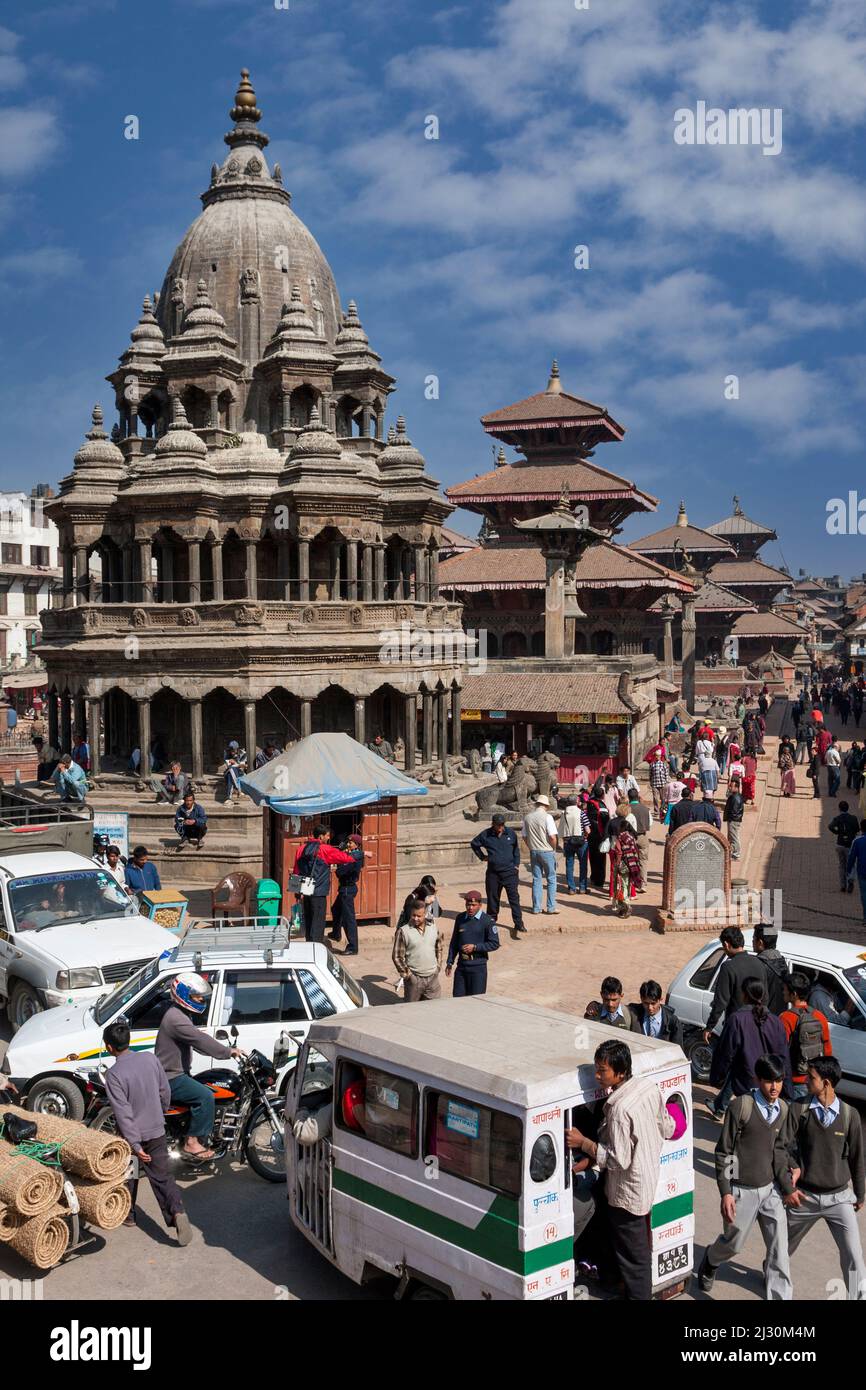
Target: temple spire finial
x,y
682,519
554,385
245,108
738,511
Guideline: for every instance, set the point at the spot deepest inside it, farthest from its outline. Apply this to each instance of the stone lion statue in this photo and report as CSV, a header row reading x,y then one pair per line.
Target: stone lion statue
x,y
529,777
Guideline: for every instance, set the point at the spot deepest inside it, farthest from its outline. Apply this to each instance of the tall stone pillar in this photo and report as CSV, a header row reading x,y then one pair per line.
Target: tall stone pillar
x,y
304,571
379,550
361,720
410,729
250,567
81,575
144,734
688,676
456,716
433,585
94,734
668,648
195,571
442,724
334,555
306,718
352,570
250,730
367,573
214,400
554,605
427,728
420,574
216,556
66,722
145,557
195,725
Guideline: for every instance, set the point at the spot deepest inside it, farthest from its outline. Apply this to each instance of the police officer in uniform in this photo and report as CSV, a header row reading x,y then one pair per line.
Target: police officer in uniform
x,y
343,911
497,847
472,940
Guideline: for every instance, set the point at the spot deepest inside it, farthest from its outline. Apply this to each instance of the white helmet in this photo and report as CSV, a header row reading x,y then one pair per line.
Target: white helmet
x,y
191,992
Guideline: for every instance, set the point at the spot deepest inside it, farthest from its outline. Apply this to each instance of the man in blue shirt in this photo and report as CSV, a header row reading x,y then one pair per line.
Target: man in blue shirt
x,y
497,847
70,779
472,940
140,873
857,863
654,1018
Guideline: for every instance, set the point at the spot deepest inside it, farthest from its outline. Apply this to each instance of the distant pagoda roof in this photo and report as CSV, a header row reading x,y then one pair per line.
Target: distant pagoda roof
x,y
734,574
738,524
544,482
603,566
690,537
553,408
767,625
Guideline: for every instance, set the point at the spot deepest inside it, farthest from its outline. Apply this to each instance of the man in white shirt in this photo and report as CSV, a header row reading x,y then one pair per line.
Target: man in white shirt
x,y
539,832
625,782
833,763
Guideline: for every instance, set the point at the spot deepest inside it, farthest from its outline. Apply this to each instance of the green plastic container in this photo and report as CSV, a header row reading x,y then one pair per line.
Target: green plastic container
x,y
268,899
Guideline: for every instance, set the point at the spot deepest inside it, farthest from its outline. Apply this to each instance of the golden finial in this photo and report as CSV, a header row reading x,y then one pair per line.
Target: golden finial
x,y
245,108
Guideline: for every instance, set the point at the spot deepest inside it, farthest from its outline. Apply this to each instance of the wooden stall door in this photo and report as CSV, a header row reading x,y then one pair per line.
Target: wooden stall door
x,y
378,883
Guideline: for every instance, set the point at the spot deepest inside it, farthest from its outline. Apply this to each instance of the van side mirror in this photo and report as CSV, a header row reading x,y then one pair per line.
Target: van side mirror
x,y
234,1033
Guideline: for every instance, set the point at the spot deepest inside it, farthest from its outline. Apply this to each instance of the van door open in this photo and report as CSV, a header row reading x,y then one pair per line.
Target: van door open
x,y
309,1162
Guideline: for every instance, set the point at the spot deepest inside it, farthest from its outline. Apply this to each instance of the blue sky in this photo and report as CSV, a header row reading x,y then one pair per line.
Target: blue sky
x,y
556,130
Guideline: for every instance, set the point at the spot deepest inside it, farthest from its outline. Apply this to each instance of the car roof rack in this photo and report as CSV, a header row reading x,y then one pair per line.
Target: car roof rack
x,y
227,935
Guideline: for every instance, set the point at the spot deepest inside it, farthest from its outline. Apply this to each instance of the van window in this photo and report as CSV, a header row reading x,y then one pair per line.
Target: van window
x,y
703,976
320,1005
261,996
380,1106
473,1142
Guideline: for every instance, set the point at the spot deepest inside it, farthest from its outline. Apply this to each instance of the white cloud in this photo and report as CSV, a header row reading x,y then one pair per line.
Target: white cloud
x,y
29,136
26,269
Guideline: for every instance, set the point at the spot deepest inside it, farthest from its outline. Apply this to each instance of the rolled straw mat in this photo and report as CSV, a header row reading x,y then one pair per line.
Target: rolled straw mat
x,y
42,1240
10,1220
103,1204
88,1152
26,1186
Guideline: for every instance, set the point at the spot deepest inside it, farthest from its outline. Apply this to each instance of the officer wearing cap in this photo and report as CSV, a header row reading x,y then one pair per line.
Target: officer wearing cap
x,y
472,940
497,847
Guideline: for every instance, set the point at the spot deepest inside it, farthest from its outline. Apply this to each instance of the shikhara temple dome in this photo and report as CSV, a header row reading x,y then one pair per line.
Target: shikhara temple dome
x,y
248,246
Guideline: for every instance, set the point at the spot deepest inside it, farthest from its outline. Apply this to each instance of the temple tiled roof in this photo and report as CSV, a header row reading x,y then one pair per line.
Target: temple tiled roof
x,y
732,573
712,598
547,694
603,566
548,408
738,524
767,625
534,482
691,537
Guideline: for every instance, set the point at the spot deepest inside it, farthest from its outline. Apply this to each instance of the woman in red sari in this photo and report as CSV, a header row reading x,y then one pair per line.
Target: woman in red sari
x,y
625,870
750,763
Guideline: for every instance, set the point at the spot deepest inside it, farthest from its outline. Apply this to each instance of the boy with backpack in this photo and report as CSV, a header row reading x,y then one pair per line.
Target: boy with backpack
x,y
807,1031
825,1144
752,1164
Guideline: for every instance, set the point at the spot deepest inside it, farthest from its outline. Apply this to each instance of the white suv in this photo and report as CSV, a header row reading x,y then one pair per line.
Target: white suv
x,y
263,985
836,968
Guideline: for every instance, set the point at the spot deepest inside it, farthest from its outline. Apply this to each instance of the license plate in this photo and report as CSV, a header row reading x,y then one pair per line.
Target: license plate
x,y
671,1261
557,1297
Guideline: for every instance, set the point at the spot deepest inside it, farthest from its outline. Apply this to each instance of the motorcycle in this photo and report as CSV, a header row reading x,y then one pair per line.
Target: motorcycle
x,y
248,1124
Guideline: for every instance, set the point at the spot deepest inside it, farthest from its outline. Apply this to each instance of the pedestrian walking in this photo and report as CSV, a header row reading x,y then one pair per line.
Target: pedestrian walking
x,y
752,1175
140,1094
805,737
806,1031
833,762
417,954
610,1009
735,809
498,848
786,767
846,828
343,914
857,862
313,866
575,844
473,939
655,1019
826,1146
625,870
737,967
813,772
633,1127
765,941
599,844
659,771
539,832
750,1032
643,817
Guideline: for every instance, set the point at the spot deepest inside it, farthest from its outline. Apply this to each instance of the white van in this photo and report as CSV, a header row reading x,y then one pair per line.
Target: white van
x,y
445,1163
264,985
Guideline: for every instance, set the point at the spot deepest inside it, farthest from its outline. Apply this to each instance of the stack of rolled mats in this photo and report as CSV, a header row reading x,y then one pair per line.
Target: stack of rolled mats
x,y
31,1217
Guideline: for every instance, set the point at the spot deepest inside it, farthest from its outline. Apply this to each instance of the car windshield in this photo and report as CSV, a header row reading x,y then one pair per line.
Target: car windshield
x,y
108,1004
344,979
856,978
49,900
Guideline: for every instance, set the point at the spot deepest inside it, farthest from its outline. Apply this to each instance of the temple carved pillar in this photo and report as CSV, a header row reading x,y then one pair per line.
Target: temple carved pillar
x,y
360,720
410,729
306,718
250,569
145,581
144,734
367,573
304,571
352,574
195,725
250,730
195,571
456,716
94,734
421,587
216,557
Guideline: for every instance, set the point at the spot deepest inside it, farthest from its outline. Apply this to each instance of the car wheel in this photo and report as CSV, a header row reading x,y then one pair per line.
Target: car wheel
x,y
23,1003
56,1095
700,1054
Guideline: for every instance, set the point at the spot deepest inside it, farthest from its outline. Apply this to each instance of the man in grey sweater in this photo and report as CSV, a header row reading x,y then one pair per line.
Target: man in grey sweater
x,y
176,1041
139,1093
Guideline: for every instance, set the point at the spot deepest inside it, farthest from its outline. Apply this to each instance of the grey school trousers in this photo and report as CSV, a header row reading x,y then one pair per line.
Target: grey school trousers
x,y
764,1205
837,1209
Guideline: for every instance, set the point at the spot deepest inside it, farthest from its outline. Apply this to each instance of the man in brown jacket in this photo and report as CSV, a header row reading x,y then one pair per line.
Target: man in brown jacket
x,y
418,949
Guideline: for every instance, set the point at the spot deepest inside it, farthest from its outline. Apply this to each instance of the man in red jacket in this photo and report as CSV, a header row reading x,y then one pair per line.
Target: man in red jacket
x,y
314,860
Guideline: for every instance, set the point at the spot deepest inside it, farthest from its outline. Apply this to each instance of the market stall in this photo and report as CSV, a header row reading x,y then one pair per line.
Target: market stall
x,y
331,780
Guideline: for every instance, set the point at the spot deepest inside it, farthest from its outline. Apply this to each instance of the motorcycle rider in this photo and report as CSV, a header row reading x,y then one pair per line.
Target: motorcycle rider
x,y
176,1040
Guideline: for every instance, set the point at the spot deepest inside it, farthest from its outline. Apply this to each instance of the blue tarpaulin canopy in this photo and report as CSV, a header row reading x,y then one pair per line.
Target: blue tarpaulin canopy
x,y
326,772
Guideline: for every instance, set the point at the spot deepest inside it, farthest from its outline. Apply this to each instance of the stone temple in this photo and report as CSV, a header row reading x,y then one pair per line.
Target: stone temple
x,y
237,550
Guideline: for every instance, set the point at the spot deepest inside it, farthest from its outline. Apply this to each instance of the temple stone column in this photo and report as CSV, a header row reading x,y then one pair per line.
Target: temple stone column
x,y
334,556
379,550
304,571
410,729
442,724
214,401
250,730
216,555
456,716
80,715
306,718
367,573
81,595
144,734
668,655
127,592
66,723
195,725
145,557
250,568
361,720
420,574
94,734
554,605
433,586
688,676
427,728
352,570
53,721
195,571
283,567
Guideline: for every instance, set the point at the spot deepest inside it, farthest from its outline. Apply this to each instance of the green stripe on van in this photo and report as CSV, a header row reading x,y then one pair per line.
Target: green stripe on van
x,y
494,1238
671,1210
